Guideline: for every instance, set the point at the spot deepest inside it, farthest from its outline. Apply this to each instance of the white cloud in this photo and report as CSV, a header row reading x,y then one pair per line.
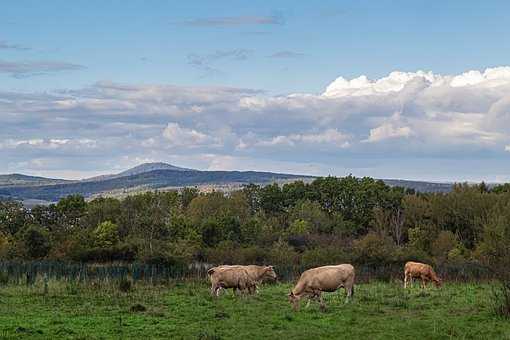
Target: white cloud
x,y
412,114
329,137
47,144
388,131
179,136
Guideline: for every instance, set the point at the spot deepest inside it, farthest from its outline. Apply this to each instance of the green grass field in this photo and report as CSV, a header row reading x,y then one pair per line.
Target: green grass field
x,y
187,311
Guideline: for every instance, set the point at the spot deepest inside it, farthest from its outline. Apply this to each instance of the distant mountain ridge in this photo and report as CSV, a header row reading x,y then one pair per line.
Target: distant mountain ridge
x,y
149,176
19,179
147,167
152,176
139,169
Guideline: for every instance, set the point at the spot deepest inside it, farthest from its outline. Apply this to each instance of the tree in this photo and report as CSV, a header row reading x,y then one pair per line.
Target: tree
x,y
12,217
36,242
106,234
71,209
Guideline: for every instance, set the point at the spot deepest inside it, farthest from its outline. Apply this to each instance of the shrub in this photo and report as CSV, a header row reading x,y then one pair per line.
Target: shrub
x,y
36,242
374,248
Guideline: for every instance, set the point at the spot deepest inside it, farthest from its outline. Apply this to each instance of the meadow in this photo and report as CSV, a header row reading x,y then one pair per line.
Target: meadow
x,y
57,309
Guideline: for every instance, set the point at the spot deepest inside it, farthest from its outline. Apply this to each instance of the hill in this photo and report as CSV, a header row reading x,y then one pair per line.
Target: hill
x,y
155,179
22,180
161,176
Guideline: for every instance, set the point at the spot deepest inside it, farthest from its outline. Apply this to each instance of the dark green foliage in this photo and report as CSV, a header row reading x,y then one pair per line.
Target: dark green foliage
x,y
327,220
36,242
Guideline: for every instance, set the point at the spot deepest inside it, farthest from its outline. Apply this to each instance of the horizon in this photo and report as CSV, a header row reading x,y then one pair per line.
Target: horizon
x,y
361,88
192,169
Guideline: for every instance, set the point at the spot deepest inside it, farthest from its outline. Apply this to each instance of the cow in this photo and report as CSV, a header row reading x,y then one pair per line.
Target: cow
x,y
235,278
421,271
313,282
259,274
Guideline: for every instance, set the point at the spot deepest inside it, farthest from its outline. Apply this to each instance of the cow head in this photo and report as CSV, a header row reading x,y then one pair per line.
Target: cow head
x,y
438,282
294,300
269,273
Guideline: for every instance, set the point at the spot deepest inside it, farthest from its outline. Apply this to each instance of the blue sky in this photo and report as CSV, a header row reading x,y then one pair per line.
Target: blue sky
x,y
253,85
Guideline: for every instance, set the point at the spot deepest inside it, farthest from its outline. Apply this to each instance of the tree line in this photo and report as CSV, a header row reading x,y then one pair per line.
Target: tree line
x,y
329,220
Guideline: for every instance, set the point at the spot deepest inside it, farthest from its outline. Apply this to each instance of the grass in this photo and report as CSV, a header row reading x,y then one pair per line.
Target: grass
x,y
186,310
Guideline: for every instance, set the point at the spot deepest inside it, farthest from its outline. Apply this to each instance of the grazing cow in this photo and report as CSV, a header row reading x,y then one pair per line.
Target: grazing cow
x,y
235,278
322,279
258,274
421,271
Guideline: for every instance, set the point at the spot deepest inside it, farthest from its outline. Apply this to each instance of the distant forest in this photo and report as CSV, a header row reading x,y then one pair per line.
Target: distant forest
x,y
329,220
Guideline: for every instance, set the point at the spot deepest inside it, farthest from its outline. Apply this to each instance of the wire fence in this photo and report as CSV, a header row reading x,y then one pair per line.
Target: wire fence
x,y
16,272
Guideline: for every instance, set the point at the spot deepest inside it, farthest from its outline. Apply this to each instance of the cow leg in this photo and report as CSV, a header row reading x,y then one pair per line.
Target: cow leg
x,y
405,281
322,305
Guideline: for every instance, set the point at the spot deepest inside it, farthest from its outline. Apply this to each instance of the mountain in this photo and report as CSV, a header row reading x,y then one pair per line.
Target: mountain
x,y
161,176
156,179
139,169
21,180
147,167
420,186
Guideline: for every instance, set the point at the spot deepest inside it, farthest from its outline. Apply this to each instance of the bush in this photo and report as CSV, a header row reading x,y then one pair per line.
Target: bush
x,y
36,242
374,248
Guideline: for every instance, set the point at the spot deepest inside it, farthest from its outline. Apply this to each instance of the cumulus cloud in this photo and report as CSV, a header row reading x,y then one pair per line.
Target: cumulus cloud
x,y
331,137
47,144
386,131
180,136
355,124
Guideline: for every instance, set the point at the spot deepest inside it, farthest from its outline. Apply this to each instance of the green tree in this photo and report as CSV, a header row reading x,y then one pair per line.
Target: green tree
x,y
107,234
36,242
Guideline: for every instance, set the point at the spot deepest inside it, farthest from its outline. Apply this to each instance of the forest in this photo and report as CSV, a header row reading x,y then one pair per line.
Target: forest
x,y
330,220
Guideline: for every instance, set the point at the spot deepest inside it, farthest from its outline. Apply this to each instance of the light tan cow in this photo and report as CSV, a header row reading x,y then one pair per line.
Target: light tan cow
x,y
259,274
421,271
235,278
314,281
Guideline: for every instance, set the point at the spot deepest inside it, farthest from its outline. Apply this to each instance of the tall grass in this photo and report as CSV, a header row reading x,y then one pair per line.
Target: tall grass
x,y
17,272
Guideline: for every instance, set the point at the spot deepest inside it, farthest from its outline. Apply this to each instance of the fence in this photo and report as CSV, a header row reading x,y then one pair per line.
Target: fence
x,y
27,272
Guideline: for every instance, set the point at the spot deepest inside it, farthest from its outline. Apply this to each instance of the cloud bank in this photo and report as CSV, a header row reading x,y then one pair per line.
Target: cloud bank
x,y
407,124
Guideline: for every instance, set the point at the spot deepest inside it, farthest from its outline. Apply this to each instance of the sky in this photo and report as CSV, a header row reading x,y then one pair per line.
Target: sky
x,y
388,89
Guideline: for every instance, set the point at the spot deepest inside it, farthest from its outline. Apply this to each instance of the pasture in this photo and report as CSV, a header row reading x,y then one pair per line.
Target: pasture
x,y
57,309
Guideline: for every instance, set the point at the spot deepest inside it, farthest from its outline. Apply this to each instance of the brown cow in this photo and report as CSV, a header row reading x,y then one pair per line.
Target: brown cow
x,y
235,278
259,274
422,271
322,279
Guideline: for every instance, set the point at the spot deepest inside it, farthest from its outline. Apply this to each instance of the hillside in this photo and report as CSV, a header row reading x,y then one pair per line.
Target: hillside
x,y
23,180
150,180
150,176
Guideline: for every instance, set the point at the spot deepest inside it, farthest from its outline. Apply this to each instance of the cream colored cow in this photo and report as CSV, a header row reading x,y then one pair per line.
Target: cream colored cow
x,y
313,282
